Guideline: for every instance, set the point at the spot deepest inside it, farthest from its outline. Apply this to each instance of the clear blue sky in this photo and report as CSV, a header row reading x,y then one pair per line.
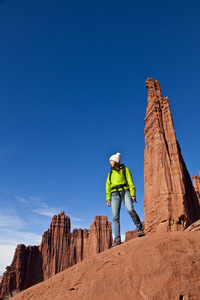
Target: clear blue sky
x,y
72,85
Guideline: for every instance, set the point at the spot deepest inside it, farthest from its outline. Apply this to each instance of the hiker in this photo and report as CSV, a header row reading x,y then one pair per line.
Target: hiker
x,y
120,188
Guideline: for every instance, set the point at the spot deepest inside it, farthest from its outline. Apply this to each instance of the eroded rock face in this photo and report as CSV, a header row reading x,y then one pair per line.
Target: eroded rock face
x,y
85,243
58,250
54,246
170,202
25,270
196,180
100,236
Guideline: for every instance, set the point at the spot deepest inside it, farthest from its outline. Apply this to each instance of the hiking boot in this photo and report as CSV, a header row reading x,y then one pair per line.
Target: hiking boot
x,y
140,233
116,243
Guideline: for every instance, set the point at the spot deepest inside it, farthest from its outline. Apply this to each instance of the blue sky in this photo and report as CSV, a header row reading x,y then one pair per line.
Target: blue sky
x,y
72,86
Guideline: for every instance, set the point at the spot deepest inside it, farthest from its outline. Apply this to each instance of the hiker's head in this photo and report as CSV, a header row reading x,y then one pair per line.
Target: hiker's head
x,y
115,160
114,165
116,157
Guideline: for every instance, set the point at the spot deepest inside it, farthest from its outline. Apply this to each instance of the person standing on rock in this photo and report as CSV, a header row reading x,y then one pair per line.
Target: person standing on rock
x,y
120,188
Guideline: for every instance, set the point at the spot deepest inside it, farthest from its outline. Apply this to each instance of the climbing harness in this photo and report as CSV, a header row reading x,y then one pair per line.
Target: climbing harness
x,y
120,188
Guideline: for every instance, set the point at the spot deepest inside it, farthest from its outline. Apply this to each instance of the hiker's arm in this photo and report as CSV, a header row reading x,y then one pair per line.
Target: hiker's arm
x,y
130,183
108,190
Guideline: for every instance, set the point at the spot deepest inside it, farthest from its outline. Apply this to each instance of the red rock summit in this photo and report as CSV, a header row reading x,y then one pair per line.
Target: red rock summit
x,y
59,250
170,201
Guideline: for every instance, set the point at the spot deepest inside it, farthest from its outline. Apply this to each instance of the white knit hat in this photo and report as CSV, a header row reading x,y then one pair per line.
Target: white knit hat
x,y
116,157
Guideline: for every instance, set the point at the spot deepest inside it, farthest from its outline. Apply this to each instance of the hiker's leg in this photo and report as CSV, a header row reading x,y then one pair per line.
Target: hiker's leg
x,y
116,205
129,207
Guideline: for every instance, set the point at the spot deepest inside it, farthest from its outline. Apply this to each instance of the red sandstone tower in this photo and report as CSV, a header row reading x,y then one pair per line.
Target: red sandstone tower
x,y
170,201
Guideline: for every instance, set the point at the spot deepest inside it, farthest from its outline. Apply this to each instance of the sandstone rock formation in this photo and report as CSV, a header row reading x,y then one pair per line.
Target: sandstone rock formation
x,y
54,248
85,243
25,270
196,180
170,202
157,266
58,250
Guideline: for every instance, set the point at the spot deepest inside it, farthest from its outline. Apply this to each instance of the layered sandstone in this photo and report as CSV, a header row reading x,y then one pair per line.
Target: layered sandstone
x,y
54,246
25,270
196,180
58,250
170,202
156,266
85,243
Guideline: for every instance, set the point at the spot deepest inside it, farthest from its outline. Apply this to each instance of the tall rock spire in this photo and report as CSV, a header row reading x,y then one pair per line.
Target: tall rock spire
x,y
170,202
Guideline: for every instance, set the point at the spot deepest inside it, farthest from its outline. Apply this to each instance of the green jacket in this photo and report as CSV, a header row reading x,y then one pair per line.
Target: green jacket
x,y
117,178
